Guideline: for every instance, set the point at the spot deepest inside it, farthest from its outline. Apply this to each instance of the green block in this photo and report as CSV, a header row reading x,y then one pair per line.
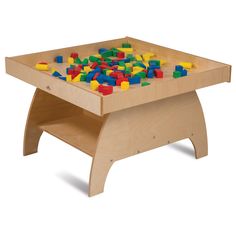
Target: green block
x,y
108,60
108,53
128,70
85,61
78,61
145,83
176,74
83,77
93,59
131,56
104,71
140,64
156,62
121,63
126,45
141,74
114,52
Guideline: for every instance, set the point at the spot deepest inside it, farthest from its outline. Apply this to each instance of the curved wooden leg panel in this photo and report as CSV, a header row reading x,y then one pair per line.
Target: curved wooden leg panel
x,y
44,108
141,128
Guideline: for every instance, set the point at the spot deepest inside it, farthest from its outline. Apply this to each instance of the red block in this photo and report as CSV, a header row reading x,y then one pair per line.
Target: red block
x,y
70,71
120,75
119,81
158,73
74,55
96,75
121,55
94,65
75,73
105,90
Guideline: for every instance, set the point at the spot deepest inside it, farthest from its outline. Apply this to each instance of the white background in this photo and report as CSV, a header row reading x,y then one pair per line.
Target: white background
x,y
161,192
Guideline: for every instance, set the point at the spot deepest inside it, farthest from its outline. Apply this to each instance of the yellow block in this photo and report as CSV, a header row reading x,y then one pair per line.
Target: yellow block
x,y
128,64
146,64
87,69
108,72
150,54
77,78
138,58
136,69
124,85
70,60
186,65
98,55
146,57
162,62
68,78
94,85
42,67
127,50
121,68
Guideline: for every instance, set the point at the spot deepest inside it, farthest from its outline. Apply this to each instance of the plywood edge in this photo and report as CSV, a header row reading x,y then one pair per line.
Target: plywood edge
x,y
57,87
163,89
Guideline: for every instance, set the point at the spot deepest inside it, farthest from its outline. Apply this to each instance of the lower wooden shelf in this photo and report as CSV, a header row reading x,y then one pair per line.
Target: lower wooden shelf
x,y
79,131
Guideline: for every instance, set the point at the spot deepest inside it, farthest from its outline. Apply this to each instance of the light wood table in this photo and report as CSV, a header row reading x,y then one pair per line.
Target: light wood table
x,y
113,127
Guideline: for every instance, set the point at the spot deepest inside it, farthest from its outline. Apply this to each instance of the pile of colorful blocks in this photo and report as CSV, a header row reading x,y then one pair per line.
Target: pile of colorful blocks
x,y
113,67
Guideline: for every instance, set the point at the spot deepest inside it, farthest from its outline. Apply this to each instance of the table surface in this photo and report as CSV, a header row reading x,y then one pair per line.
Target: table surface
x,y
204,73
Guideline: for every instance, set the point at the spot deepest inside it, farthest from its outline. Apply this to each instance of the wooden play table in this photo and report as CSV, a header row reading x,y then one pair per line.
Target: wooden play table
x,y
113,127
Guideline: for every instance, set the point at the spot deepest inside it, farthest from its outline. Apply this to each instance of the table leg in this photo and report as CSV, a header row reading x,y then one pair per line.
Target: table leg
x,y
44,108
131,131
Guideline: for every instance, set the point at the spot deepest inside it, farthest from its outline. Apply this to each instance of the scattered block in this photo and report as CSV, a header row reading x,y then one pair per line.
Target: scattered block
x,y
42,66
184,72
70,60
74,55
179,68
124,85
134,80
138,58
120,54
105,90
68,78
76,78
176,74
59,59
127,50
56,73
158,73
186,65
126,45
145,83
94,85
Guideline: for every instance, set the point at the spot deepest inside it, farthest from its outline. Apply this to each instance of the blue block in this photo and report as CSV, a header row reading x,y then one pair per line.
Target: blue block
x,y
97,69
59,59
111,81
102,50
179,68
184,72
135,80
62,78
150,74
125,60
90,76
153,67
56,74
100,79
